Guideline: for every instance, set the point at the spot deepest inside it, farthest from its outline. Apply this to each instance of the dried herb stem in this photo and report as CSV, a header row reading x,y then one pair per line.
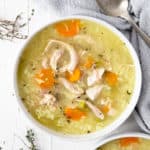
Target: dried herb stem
x,y
12,29
31,138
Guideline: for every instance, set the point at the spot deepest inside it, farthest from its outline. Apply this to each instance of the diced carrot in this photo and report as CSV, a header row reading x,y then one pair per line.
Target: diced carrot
x,y
124,142
68,28
111,78
89,62
74,113
105,109
75,76
45,78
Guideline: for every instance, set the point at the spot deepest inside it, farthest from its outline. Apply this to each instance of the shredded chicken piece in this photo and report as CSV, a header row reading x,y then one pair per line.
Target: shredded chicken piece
x,y
48,99
73,88
94,91
98,113
45,63
107,102
82,53
95,76
54,59
73,55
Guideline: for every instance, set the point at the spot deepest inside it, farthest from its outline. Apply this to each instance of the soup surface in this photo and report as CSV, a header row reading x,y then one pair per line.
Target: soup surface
x,y
76,76
130,143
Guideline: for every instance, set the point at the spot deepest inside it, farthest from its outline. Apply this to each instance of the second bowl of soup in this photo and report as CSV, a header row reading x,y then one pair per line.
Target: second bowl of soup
x,y
78,77
131,141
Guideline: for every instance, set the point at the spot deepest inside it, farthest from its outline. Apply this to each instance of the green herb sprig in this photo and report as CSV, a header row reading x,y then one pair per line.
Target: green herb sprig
x,y
30,136
32,141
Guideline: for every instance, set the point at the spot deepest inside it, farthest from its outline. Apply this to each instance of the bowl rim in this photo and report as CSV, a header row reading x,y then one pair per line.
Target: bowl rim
x,y
122,135
124,115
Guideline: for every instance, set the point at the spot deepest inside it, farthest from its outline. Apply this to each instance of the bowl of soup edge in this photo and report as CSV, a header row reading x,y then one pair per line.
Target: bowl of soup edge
x,y
123,135
124,115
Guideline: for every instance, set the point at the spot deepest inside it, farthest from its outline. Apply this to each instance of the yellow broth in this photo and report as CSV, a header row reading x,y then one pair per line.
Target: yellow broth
x,y
107,50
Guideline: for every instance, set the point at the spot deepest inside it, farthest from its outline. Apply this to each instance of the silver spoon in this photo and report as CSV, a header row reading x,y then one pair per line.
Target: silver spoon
x,y
119,8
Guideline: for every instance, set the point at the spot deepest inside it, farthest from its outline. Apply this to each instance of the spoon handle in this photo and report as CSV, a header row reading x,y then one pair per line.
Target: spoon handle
x,y
143,35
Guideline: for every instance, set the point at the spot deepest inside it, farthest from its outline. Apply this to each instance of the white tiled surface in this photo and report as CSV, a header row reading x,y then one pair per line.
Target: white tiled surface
x,y
13,123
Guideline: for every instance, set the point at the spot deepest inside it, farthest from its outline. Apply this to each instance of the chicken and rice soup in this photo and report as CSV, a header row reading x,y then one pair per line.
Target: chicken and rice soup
x,y
76,76
129,143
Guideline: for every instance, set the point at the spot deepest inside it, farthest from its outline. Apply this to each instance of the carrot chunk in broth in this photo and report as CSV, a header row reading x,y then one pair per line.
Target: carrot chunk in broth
x,y
45,78
74,113
105,109
75,76
68,28
111,78
124,142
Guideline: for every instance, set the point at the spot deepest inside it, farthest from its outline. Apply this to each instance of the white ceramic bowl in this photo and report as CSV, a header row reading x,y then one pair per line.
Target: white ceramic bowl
x,y
124,135
121,118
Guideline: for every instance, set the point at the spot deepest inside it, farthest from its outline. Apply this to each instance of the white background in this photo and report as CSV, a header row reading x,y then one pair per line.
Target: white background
x,y
13,123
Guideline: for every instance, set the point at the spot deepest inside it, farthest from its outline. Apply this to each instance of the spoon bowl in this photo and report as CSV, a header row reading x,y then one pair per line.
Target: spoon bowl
x,y
114,7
